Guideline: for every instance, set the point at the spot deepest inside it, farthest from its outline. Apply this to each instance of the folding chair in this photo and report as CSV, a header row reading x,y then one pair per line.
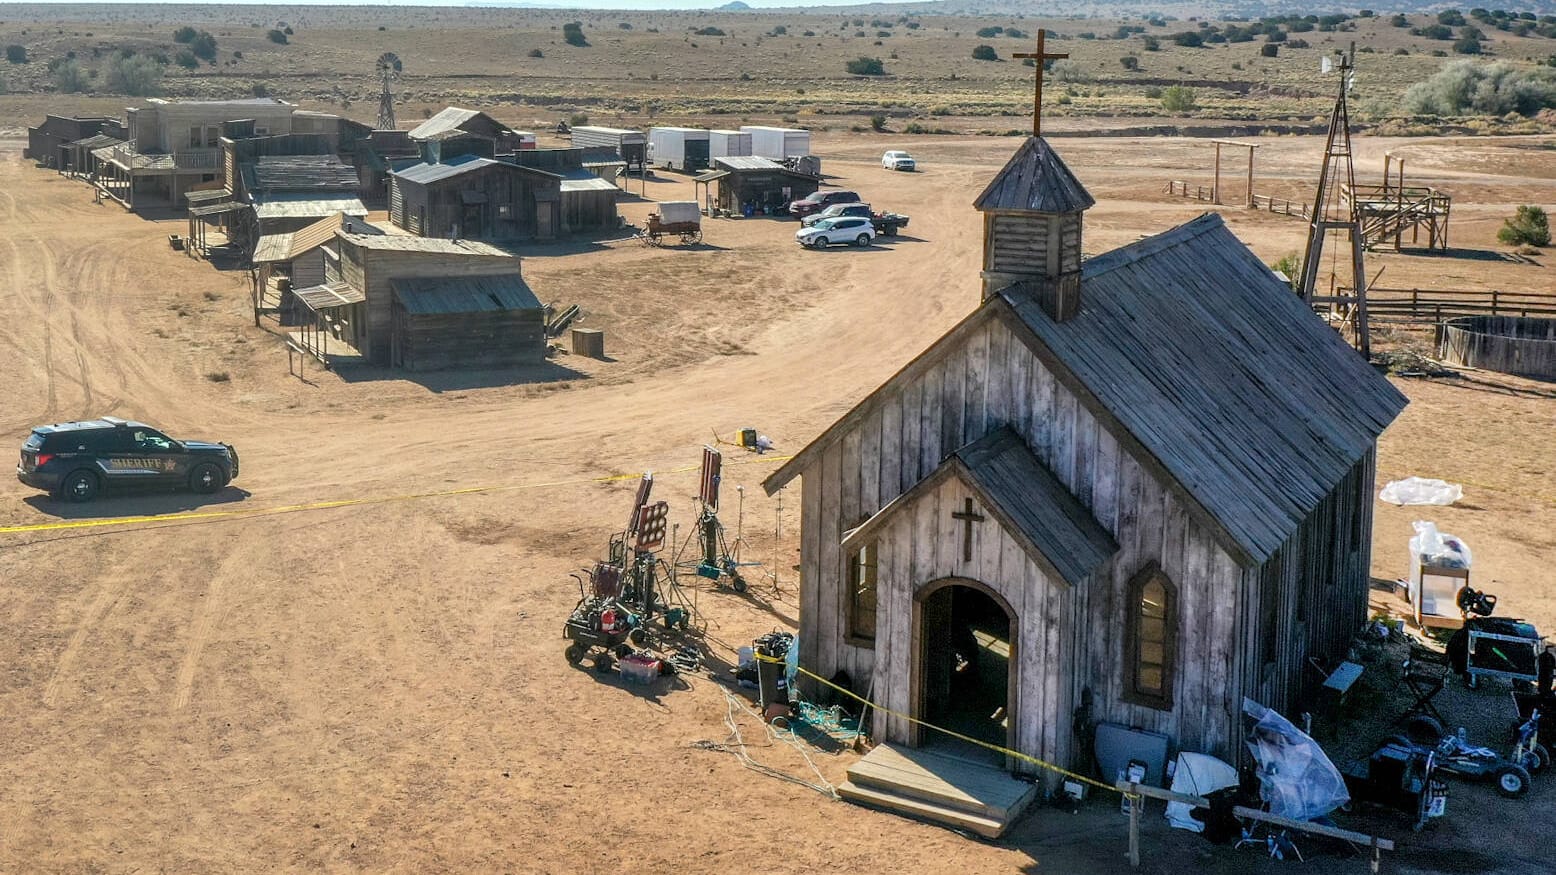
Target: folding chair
x,y
1424,683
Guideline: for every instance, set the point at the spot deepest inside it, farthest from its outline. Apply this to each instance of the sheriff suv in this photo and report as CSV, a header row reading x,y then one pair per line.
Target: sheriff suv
x,y
76,461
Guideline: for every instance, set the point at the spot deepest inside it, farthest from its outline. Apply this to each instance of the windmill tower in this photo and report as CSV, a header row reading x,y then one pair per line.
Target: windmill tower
x,y
1335,210
388,71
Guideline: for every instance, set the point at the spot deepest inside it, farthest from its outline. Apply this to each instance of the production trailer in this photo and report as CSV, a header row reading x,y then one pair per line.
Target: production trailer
x,y
678,148
632,146
778,143
728,144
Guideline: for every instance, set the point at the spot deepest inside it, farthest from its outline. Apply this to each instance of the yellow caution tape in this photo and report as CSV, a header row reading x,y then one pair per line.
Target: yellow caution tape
x,y
1016,754
347,502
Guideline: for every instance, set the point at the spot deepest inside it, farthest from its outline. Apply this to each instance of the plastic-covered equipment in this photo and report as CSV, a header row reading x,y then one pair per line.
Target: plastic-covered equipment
x,y
1197,774
1421,490
1446,555
1296,778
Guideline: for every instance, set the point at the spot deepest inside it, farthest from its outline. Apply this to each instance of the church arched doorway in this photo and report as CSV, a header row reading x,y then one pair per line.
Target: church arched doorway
x,y
966,672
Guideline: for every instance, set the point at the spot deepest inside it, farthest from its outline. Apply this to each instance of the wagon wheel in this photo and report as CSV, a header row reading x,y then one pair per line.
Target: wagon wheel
x,y
692,236
651,238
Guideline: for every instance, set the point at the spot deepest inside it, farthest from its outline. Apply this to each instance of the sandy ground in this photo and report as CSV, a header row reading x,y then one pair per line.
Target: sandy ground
x,y
380,687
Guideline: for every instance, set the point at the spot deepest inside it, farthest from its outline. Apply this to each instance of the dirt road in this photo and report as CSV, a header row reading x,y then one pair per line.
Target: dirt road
x,y
380,687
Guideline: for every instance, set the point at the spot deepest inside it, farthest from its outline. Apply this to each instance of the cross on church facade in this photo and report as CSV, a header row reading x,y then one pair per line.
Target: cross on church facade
x,y
968,516
1040,57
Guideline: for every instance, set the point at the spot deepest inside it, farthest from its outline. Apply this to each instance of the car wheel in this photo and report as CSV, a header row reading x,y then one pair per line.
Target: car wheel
x,y
206,478
79,486
574,653
821,243
862,240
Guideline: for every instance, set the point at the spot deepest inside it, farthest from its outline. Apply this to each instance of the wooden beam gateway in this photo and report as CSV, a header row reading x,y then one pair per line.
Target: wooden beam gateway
x,y
1215,191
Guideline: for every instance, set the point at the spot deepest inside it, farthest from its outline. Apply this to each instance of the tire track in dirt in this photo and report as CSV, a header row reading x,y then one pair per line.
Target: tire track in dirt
x,y
111,589
213,611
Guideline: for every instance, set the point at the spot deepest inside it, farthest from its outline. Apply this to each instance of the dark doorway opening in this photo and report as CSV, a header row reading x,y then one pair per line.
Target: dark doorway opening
x,y
966,669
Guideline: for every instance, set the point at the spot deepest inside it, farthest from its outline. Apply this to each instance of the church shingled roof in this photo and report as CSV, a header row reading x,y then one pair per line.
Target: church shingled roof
x,y
1035,179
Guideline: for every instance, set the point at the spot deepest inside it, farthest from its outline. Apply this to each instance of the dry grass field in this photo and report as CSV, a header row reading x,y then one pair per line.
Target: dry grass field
x,y
642,67
379,687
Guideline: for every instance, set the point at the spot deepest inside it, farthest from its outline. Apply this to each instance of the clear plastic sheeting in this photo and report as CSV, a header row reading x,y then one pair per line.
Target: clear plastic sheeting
x,y
1441,549
1421,490
1296,778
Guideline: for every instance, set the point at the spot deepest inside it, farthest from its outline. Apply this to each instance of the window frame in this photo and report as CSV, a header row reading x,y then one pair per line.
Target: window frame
x,y
1162,701
870,549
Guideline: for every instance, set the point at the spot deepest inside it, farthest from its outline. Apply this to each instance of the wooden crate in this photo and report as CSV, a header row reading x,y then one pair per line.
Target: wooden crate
x,y
589,342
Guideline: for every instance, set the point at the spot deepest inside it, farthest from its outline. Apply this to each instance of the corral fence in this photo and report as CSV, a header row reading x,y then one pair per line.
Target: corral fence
x,y
1277,205
1435,305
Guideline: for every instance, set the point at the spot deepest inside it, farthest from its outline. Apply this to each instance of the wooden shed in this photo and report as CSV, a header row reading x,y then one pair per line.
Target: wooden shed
x,y
369,263
748,185
1130,490
49,142
477,199
465,322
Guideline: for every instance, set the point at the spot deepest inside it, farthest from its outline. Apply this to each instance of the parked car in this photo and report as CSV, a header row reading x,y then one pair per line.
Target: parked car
x,y
898,160
76,461
836,210
820,200
884,223
843,229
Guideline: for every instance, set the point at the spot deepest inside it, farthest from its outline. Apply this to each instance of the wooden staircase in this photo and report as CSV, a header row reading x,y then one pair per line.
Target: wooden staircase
x,y
938,787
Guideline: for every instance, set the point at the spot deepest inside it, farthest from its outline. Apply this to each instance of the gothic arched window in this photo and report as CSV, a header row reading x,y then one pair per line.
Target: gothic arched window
x,y
1151,638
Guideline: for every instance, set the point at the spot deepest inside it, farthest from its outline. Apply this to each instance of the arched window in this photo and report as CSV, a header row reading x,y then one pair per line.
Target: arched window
x,y
862,596
1151,638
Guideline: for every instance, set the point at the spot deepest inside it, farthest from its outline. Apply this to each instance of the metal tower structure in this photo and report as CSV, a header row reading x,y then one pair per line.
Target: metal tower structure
x,y
1334,211
388,71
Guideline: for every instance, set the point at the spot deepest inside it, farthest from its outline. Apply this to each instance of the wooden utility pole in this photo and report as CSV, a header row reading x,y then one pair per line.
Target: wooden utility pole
x,y
1335,208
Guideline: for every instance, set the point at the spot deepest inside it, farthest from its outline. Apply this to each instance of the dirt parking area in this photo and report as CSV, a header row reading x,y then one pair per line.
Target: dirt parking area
x,y
380,686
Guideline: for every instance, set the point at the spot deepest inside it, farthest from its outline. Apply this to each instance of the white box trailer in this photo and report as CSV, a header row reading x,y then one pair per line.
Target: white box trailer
x,y
728,144
678,148
778,143
631,145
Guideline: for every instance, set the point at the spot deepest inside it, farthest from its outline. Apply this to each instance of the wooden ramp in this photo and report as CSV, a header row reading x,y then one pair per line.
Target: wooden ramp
x,y
938,787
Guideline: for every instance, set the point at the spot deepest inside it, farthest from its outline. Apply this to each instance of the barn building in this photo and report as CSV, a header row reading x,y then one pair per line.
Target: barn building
x,y
588,185
454,132
1131,490
752,186
475,198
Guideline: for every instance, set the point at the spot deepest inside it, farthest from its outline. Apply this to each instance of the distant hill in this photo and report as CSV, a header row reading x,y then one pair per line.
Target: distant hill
x,y
1217,9
734,6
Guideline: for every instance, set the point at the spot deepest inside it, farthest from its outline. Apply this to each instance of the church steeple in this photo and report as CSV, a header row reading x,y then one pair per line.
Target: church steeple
x,y
1032,220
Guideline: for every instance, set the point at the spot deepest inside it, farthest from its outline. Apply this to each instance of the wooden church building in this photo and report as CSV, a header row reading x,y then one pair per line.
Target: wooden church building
x,y
1131,489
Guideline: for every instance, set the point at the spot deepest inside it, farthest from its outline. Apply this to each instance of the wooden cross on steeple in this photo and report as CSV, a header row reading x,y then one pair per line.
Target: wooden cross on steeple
x,y
1040,58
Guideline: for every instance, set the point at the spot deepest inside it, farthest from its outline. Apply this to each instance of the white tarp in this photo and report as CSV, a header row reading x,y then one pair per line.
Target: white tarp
x,y
1296,778
1197,774
675,212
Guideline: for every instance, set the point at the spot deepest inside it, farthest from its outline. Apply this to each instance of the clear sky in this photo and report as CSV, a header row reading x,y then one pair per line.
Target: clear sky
x,y
636,5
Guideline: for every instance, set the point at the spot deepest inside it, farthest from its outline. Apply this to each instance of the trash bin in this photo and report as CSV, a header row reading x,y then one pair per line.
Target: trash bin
x,y
770,685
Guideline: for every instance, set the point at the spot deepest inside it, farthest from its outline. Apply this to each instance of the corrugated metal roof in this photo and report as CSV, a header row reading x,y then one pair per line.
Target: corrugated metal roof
x,y
208,195
423,174
403,243
1035,180
614,132
286,247
329,296
296,205
710,175
579,179
217,209
468,294
447,120
747,162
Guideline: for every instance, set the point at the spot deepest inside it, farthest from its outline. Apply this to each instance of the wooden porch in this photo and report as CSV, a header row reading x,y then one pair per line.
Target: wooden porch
x,y
938,787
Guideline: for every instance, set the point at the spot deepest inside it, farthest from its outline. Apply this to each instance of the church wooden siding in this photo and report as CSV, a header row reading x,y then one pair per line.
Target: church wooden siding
x,y
989,378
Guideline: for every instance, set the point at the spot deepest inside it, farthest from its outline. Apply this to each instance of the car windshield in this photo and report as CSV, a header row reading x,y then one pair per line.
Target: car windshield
x,y
815,197
824,224
34,441
150,440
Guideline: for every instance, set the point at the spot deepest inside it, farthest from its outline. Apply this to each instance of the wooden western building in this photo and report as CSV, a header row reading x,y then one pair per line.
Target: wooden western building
x,y
474,322
408,322
1133,489
50,143
588,190
753,186
476,198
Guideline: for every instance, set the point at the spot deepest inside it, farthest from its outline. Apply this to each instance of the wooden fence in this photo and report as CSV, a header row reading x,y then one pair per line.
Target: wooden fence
x,y
1435,305
1277,205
